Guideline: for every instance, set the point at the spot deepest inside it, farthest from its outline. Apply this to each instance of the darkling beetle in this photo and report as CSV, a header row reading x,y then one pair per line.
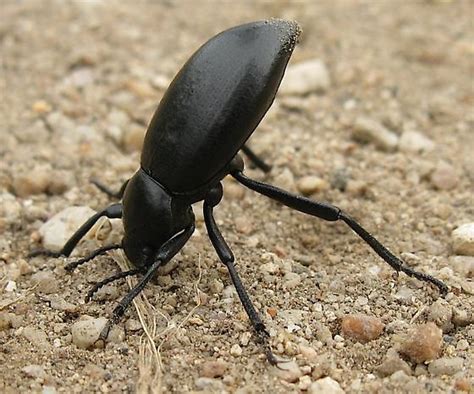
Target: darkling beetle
x,y
210,109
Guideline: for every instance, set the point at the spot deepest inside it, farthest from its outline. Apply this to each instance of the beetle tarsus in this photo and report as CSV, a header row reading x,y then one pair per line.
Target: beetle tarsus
x,y
332,213
98,252
226,256
44,252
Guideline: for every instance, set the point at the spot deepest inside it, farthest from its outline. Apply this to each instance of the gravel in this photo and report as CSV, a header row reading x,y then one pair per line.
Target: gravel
x,y
422,343
361,328
463,239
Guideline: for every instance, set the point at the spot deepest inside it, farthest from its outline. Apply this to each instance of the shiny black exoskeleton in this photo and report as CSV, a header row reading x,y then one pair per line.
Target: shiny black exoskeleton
x,y
209,111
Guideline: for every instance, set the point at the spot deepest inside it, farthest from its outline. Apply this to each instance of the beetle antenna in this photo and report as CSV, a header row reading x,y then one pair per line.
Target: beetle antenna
x,y
98,252
105,189
255,159
108,280
332,213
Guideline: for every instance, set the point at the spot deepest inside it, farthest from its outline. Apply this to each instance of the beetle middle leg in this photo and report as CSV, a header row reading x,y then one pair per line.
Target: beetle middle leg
x,y
105,189
332,213
255,159
226,256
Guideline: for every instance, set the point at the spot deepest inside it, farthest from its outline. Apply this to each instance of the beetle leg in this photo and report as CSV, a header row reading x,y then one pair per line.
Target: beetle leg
x,y
226,256
164,254
73,265
332,213
105,189
112,212
255,159
108,280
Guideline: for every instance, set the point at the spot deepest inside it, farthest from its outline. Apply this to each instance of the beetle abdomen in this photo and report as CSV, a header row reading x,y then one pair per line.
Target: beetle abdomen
x,y
215,102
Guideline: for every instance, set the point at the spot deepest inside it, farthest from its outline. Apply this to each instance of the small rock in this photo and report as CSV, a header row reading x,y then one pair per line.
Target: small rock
x,y
304,383
462,318
57,230
216,286
209,385
133,139
463,239
326,385
306,77
444,177
213,369
10,286
34,371
441,314
362,328
133,325
41,107
34,182
446,366
5,320
45,282
422,343
462,344
369,130
61,304
392,364
311,184
308,353
414,141
291,280
236,350
464,265
85,333
289,371
285,180
463,384
36,336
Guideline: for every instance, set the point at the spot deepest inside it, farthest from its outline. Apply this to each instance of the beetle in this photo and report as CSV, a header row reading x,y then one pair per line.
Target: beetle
x,y
207,114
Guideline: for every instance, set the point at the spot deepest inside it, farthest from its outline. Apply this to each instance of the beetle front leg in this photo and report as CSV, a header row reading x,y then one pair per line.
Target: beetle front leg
x,y
112,212
332,213
226,256
167,251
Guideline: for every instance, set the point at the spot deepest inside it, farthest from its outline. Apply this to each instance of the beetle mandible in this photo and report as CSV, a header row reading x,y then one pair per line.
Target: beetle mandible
x,y
210,109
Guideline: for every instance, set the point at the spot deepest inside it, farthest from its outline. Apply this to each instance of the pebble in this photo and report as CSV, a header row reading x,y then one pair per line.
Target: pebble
x,y
86,332
216,286
463,239
362,328
392,364
462,318
446,366
444,176
308,353
326,385
61,304
289,371
57,230
422,343
36,336
209,385
311,184
441,314
133,325
304,383
236,350
34,182
133,139
369,130
285,180
213,369
34,371
464,265
462,344
415,142
45,282
306,77
291,280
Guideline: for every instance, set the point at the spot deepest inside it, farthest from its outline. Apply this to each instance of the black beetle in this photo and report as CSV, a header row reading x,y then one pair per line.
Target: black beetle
x,y
209,111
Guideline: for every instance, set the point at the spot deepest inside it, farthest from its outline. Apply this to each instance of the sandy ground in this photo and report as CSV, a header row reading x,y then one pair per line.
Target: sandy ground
x,y
79,83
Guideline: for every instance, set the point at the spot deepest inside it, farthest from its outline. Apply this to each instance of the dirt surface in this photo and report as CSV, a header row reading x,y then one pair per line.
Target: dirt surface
x,y
79,83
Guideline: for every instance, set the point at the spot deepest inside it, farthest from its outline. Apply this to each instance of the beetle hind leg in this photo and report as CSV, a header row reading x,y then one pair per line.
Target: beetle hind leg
x,y
226,256
332,213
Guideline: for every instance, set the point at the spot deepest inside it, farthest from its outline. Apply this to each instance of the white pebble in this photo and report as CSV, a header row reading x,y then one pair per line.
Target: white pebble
x,y
85,333
369,130
45,282
311,184
444,177
326,386
57,230
414,141
34,371
10,286
306,77
236,350
463,239
446,366
289,371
